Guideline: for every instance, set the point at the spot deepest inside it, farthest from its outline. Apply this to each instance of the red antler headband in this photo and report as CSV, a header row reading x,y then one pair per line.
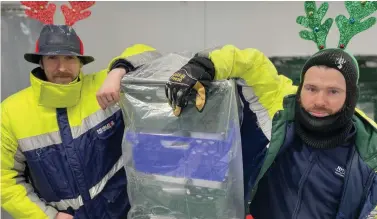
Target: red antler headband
x,y
44,11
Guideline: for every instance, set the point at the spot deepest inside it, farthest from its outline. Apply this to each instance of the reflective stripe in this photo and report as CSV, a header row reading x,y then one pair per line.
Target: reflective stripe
x,y
40,141
93,120
76,203
264,120
19,160
95,190
52,138
64,204
48,210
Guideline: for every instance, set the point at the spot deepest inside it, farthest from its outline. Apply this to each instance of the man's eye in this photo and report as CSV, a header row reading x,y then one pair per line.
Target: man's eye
x,y
334,92
310,89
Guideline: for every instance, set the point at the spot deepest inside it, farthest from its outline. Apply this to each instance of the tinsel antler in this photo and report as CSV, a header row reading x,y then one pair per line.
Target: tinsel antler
x,y
77,12
348,28
40,10
313,21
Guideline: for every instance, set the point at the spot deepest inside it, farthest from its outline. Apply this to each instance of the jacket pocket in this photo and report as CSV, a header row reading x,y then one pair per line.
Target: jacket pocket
x,y
117,205
52,164
114,196
39,180
100,148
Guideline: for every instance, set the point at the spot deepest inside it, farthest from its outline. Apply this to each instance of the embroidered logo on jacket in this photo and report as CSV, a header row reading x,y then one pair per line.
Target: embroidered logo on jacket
x,y
106,127
340,171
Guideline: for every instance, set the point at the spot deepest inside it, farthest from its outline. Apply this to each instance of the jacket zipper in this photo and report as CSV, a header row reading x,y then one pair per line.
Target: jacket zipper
x,y
312,159
72,153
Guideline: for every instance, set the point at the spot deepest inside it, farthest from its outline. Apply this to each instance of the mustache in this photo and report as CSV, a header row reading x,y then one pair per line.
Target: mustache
x,y
317,109
63,74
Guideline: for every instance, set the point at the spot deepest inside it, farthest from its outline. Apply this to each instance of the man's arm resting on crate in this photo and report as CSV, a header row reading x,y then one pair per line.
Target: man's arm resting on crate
x,y
131,58
250,67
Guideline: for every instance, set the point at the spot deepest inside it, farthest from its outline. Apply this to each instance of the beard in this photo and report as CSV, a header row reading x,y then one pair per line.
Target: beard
x,y
321,124
322,132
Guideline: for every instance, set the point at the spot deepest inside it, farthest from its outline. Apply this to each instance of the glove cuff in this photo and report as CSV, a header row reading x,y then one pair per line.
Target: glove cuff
x,y
200,68
122,63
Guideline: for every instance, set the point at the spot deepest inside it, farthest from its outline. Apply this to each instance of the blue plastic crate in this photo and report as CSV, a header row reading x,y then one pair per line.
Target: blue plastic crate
x,y
205,159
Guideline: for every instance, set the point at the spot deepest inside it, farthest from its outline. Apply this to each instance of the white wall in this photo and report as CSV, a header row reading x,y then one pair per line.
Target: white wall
x,y
272,27
177,26
183,25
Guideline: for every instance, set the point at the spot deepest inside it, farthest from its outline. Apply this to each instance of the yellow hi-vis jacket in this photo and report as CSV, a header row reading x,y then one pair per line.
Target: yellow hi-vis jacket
x,y
61,152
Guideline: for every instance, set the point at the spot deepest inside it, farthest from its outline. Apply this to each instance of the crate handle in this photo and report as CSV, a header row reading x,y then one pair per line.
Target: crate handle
x,y
175,144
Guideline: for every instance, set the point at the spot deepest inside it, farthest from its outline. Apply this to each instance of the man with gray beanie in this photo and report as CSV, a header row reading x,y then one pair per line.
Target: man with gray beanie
x,y
308,152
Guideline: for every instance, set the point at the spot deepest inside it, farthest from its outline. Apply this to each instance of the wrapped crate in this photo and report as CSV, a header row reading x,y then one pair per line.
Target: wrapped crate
x,y
186,167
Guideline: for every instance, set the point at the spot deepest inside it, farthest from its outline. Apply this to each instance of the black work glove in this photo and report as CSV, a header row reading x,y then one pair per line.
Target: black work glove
x,y
192,77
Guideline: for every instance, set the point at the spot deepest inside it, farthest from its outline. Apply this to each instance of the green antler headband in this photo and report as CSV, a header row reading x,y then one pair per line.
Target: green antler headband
x,y
348,27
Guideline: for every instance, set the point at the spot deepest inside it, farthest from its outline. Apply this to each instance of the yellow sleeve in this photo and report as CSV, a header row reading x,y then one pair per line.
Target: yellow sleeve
x,y
255,71
373,213
17,196
137,55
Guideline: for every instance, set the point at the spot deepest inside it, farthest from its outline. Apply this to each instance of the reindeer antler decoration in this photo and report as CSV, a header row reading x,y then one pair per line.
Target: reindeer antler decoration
x,y
41,11
44,12
73,15
348,28
313,20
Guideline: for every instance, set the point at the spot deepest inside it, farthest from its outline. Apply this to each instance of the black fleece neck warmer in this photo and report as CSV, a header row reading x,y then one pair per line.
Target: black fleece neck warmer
x,y
330,131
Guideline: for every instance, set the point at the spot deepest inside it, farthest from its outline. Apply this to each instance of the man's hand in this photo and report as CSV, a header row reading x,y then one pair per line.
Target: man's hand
x,y
188,79
62,215
108,94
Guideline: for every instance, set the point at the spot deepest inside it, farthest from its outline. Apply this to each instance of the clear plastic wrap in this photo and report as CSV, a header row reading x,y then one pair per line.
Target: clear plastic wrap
x,y
187,167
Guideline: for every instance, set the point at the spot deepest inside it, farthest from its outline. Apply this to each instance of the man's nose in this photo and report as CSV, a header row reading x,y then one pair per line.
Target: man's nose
x,y
61,66
320,99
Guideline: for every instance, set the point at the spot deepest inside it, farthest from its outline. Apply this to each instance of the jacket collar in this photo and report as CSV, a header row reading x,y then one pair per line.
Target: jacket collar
x,y
289,103
55,95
